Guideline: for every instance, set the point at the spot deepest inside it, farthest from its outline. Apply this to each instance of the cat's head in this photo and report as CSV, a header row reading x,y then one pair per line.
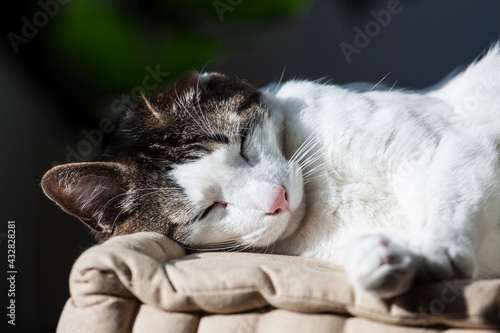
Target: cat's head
x,y
201,162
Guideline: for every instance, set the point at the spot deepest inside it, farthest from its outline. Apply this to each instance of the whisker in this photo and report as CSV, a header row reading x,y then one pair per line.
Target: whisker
x,y
314,170
379,82
393,86
200,122
150,106
311,159
303,164
215,247
305,147
316,176
210,131
200,113
202,69
123,209
281,78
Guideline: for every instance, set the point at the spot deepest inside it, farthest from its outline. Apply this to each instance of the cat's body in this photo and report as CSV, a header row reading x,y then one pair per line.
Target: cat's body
x,y
407,162
395,185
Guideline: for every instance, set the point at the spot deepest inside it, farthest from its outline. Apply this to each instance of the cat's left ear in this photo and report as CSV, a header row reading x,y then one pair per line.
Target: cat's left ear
x,y
93,192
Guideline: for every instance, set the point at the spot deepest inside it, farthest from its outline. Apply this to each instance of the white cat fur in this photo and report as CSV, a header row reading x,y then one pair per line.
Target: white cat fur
x,y
402,184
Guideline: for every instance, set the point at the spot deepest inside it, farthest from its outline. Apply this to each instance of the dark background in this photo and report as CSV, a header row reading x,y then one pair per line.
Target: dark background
x,y
66,77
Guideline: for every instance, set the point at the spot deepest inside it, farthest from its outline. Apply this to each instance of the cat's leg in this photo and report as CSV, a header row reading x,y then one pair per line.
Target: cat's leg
x,y
452,200
381,264
461,201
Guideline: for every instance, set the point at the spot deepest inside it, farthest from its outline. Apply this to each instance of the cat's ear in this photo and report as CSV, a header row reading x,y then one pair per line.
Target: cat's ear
x,y
92,192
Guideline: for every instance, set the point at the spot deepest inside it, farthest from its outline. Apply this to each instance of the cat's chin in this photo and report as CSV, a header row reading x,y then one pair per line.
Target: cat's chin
x,y
290,225
293,222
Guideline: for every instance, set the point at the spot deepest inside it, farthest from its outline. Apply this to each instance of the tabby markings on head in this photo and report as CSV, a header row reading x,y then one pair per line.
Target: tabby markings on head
x,y
187,162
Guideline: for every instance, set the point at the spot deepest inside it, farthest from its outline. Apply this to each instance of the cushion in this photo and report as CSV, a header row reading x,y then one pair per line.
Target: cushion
x,y
145,282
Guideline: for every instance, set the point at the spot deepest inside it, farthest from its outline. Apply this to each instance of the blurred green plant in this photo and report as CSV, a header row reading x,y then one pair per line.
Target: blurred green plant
x,y
247,11
109,43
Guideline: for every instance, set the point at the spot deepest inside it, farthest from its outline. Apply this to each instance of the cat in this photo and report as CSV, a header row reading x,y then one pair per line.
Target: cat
x,y
397,186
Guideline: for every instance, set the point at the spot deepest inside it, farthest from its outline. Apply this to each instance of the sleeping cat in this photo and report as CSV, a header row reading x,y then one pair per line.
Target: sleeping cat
x,y
398,186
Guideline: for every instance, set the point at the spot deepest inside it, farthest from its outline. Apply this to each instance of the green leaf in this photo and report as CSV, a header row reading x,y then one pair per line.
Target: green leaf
x,y
110,47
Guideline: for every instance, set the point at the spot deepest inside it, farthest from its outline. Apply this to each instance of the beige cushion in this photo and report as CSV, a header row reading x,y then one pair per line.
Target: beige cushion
x,y
145,283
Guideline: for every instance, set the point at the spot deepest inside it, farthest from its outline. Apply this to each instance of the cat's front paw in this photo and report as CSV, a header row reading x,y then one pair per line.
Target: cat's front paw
x,y
380,265
442,262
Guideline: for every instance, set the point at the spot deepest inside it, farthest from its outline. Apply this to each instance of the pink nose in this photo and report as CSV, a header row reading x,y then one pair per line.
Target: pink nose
x,y
278,201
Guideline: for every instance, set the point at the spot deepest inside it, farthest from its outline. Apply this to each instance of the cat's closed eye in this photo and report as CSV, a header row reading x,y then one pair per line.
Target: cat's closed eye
x,y
243,147
305,167
215,205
